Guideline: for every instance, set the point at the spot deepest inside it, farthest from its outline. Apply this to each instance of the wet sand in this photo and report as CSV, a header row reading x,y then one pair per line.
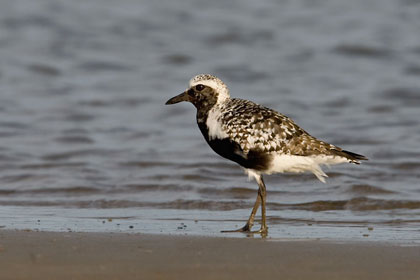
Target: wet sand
x,y
47,255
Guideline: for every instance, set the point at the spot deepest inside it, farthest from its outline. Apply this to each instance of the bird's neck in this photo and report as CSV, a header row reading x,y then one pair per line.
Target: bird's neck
x,y
203,113
203,110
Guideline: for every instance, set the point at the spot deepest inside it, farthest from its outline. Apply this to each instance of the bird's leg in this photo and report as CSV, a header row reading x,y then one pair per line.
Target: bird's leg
x,y
250,222
261,198
247,227
262,193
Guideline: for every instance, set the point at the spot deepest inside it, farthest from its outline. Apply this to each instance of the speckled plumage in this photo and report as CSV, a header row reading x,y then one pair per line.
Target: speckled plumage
x,y
255,127
259,139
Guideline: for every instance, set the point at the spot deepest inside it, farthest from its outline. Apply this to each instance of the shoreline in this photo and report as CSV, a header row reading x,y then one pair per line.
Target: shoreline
x,y
76,255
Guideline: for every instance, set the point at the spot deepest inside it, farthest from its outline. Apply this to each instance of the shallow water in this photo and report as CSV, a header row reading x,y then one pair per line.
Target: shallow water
x,y
86,143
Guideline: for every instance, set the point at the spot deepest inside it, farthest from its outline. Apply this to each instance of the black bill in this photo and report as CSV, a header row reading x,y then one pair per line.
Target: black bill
x,y
179,98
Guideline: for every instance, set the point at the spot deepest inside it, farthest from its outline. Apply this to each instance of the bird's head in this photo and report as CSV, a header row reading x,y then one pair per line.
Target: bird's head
x,y
204,90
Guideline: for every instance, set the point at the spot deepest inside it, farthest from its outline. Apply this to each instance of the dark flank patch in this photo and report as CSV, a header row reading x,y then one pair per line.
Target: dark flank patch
x,y
229,149
257,160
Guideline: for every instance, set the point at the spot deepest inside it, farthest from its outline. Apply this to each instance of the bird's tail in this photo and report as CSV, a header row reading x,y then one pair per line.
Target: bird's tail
x,y
352,157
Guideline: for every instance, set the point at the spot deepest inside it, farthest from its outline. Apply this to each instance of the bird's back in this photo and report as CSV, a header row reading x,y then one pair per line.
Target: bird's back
x,y
255,127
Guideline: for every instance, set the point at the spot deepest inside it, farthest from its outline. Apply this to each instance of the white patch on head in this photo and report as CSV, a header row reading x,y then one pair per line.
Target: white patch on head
x,y
213,82
299,164
214,125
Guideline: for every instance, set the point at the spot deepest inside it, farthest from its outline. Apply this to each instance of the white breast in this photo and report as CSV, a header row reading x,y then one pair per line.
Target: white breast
x,y
214,125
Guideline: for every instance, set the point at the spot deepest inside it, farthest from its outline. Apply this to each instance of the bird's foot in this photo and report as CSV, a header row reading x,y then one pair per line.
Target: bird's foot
x,y
263,231
246,228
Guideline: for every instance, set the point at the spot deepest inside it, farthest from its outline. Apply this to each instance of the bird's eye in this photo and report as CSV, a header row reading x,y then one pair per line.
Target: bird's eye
x,y
199,87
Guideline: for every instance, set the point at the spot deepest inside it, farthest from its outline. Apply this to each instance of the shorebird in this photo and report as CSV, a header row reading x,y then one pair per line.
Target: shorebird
x,y
259,139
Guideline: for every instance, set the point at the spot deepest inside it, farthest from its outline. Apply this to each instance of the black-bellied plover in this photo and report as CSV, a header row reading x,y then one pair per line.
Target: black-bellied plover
x,y
259,139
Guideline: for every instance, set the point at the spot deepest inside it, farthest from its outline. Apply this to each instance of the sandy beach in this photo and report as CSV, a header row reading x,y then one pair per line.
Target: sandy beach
x,y
49,255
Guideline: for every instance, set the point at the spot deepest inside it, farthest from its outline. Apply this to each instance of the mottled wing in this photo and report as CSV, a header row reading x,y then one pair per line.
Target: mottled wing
x,y
255,127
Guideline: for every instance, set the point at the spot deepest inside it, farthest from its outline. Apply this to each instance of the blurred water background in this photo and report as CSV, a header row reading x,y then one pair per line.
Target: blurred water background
x,y
86,143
